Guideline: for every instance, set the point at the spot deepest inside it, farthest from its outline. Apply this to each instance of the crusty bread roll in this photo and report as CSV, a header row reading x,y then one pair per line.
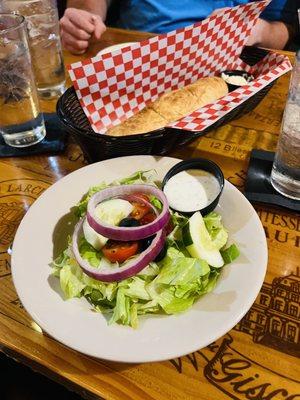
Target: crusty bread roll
x,y
145,120
175,105
172,106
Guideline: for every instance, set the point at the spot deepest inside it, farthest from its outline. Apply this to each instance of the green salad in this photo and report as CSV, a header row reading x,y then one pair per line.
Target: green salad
x,y
188,266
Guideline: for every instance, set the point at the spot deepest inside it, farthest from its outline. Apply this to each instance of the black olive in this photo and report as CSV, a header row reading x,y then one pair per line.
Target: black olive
x,y
162,253
129,222
145,243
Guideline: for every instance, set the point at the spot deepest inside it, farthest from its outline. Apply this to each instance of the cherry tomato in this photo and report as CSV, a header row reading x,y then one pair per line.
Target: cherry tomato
x,y
142,196
139,210
119,251
169,227
146,219
136,197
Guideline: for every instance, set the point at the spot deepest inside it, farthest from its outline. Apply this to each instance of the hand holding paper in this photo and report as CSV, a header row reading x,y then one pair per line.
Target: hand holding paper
x,y
78,27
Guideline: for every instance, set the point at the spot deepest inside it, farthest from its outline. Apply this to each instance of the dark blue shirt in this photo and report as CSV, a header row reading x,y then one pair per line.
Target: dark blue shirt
x,y
161,16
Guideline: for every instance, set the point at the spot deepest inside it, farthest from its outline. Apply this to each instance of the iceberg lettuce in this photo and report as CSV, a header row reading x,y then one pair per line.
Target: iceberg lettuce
x,y
170,286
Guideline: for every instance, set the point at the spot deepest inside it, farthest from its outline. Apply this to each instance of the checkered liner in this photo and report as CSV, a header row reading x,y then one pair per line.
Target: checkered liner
x,y
266,71
113,86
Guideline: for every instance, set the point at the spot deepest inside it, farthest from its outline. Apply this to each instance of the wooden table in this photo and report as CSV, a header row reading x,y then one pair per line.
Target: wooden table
x,y
256,360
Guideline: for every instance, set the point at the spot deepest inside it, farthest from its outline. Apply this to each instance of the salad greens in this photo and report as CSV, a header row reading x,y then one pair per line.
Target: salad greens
x,y
169,286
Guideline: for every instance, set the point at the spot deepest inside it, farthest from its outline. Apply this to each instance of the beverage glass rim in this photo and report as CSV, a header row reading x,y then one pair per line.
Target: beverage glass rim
x,y
20,21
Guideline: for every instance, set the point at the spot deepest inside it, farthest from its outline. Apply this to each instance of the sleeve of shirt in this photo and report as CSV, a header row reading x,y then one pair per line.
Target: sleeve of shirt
x,y
61,6
282,10
285,11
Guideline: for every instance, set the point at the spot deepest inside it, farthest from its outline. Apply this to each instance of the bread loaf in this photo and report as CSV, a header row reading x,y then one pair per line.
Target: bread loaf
x,y
172,106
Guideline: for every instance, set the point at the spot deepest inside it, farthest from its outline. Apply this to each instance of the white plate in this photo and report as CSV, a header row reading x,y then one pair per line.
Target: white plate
x,y
158,337
114,47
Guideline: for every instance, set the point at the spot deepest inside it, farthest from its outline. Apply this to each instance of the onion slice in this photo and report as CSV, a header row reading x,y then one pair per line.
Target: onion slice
x,y
130,268
127,233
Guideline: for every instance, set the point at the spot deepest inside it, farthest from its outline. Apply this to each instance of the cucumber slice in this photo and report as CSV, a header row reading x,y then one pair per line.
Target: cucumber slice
x,y
113,211
219,237
92,237
199,243
110,211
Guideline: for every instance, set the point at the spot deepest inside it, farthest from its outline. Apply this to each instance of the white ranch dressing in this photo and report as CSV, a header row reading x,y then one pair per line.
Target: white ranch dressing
x,y
234,79
191,190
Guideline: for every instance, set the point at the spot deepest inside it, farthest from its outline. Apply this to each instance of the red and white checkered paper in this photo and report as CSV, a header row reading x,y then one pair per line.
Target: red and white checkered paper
x,y
114,86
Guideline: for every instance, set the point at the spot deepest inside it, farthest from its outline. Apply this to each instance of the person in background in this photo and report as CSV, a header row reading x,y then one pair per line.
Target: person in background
x,y
85,20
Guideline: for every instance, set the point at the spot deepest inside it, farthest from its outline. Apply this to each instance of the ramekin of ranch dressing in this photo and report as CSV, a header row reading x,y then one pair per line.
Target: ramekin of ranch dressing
x,y
236,78
193,189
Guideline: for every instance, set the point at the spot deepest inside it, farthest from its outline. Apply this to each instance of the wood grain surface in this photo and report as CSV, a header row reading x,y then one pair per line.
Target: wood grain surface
x,y
257,360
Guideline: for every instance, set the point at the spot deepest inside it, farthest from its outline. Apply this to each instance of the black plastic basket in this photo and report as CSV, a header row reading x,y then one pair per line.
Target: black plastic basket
x,y
98,147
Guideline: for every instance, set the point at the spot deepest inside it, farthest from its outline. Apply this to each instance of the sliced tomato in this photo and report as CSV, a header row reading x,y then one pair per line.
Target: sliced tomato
x,y
169,227
116,251
142,196
146,219
136,197
139,210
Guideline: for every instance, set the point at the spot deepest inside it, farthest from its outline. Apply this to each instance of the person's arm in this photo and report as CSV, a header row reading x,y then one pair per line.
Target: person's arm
x,y
83,21
276,27
98,7
277,24
270,34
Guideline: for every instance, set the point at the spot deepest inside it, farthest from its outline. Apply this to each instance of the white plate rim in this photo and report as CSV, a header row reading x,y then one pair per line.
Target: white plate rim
x,y
114,47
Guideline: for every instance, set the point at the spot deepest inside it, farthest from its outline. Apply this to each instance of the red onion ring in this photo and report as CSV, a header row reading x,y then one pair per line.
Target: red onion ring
x,y
131,268
127,233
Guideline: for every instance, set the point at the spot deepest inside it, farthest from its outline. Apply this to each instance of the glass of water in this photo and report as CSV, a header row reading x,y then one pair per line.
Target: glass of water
x,y
21,122
285,176
44,40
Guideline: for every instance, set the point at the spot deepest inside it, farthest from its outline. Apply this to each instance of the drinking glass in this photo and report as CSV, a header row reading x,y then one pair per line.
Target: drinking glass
x,y
285,175
21,122
44,40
